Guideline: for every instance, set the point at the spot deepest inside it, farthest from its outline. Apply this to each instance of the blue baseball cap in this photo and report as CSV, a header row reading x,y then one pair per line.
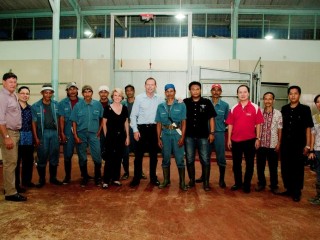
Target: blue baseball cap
x,y
170,85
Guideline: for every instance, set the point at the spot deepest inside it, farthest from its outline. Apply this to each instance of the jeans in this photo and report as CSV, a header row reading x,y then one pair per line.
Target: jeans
x,y
248,149
219,146
202,145
170,145
264,154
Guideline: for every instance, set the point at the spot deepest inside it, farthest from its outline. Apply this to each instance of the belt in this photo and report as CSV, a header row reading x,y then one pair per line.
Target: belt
x,y
169,127
13,130
147,125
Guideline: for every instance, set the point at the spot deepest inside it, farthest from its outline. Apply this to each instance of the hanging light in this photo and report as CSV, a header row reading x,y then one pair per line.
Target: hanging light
x,y
180,15
269,35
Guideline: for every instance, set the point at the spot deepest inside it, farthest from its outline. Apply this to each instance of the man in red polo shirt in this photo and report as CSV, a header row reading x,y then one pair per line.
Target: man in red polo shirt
x,y
243,122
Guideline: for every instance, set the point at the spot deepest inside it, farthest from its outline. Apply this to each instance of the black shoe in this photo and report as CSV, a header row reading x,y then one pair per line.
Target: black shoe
x,y
125,176
84,182
16,198
246,189
97,182
206,187
20,189
143,176
222,184
56,182
296,198
66,181
191,184
134,183
155,182
259,188
235,187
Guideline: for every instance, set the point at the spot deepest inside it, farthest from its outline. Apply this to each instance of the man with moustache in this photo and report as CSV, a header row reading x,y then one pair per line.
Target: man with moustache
x,y
271,132
65,108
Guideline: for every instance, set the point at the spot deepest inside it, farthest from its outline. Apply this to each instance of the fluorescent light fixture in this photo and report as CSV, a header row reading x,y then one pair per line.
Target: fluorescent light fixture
x,y
269,36
180,16
87,32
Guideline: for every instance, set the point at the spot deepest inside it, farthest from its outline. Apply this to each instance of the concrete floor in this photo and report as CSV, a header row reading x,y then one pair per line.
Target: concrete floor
x,y
146,212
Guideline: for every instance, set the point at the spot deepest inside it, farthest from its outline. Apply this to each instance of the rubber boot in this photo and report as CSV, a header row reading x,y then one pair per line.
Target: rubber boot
x,y
166,177
84,174
42,177
53,175
201,179
67,169
222,170
97,174
182,183
206,174
191,173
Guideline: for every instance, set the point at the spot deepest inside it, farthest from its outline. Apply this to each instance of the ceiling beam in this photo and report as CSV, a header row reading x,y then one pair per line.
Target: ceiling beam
x,y
138,10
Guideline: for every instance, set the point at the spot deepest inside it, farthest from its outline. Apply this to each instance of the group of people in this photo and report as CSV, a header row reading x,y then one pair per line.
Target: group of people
x,y
111,129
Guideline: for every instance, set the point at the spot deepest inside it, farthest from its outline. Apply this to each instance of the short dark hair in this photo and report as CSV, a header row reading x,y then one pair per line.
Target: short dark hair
x,y
23,87
129,86
243,85
294,87
271,93
316,98
194,83
9,75
150,78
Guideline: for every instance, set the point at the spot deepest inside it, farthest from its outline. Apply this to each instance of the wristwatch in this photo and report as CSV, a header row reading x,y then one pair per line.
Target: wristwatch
x,y
258,139
307,147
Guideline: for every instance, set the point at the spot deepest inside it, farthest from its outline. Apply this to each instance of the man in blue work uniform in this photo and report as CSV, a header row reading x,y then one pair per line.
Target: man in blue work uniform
x,y
46,135
222,110
86,117
171,127
65,108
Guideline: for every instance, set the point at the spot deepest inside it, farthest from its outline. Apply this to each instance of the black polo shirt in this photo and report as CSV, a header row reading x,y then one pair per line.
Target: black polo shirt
x,y
295,122
198,115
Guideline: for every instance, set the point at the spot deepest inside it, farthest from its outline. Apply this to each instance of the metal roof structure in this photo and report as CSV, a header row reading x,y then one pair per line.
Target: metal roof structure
x,y
93,7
